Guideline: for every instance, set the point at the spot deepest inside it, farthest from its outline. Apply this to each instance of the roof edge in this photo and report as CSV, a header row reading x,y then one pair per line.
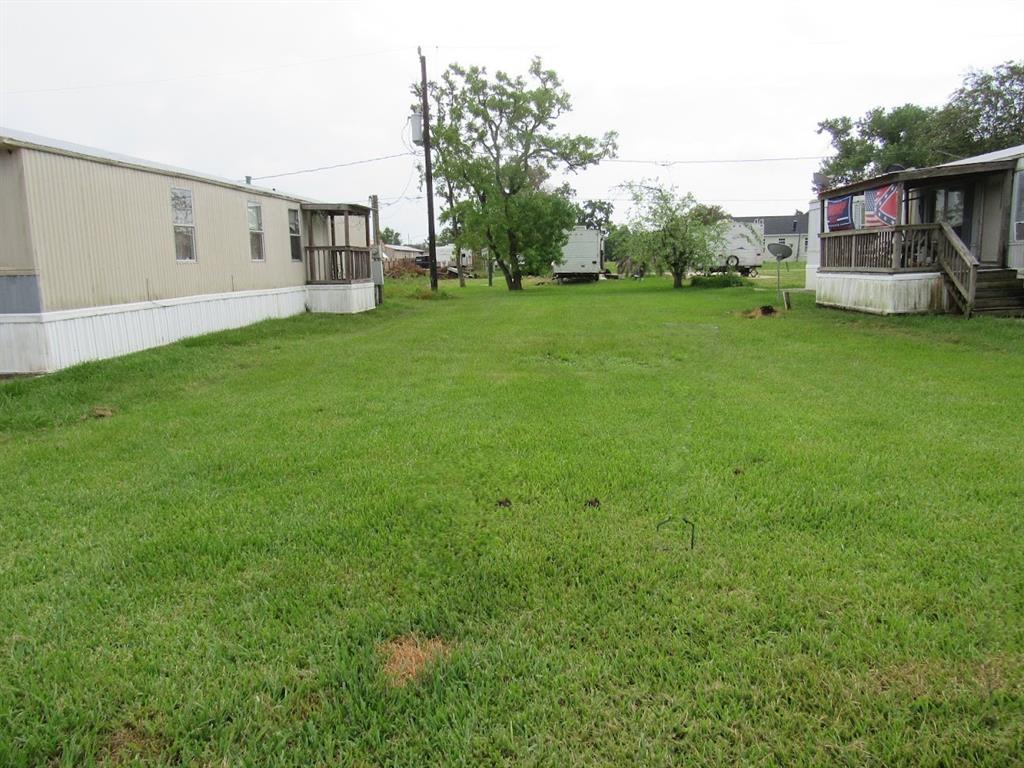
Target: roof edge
x,y
11,138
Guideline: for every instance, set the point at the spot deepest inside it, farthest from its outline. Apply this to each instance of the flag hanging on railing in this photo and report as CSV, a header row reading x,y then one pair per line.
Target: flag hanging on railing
x,y
882,206
839,213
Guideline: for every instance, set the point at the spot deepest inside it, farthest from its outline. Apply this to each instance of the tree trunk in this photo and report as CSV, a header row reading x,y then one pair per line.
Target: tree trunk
x,y
677,278
507,273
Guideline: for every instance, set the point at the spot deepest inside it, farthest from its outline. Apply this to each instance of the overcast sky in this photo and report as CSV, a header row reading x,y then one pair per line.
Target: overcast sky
x,y
262,88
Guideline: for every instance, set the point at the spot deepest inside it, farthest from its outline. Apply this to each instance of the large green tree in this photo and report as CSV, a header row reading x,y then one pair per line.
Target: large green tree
x,y
390,236
497,146
984,114
672,231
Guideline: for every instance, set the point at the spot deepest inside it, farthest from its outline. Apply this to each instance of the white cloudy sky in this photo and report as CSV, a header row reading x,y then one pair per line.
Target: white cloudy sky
x,y
260,88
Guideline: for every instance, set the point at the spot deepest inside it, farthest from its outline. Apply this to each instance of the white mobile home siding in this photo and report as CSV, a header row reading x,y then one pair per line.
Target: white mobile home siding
x,y
102,234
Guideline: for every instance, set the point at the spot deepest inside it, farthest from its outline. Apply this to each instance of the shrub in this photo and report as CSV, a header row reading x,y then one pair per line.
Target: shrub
x,y
727,280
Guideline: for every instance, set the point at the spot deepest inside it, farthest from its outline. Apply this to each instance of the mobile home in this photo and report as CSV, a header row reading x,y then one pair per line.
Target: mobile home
x,y
102,254
947,238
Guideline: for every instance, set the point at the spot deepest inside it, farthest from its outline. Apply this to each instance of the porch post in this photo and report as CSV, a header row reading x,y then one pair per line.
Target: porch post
x,y
897,236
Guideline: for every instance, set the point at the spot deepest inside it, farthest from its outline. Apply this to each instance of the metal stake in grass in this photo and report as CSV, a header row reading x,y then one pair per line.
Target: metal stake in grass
x,y
693,529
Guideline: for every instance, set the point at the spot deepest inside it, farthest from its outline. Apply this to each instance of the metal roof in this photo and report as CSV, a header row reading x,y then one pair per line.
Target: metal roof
x,y
1009,153
20,139
779,225
1000,160
409,248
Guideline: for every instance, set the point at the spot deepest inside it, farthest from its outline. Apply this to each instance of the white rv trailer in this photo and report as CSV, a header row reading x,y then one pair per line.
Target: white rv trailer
x,y
582,256
743,249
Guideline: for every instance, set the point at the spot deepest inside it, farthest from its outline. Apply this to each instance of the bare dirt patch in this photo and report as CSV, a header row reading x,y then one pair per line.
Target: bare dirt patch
x,y
766,310
99,412
406,657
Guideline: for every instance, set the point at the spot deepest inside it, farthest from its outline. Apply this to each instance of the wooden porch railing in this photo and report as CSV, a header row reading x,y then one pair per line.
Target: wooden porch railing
x,y
903,248
960,266
906,248
337,264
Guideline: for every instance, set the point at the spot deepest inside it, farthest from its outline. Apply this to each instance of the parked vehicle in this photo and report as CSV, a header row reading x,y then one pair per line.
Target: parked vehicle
x,y
582,257
743,250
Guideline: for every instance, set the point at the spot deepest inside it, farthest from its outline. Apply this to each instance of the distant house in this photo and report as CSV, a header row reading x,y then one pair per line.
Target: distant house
x,y
791,230
102,254
403,252
947,238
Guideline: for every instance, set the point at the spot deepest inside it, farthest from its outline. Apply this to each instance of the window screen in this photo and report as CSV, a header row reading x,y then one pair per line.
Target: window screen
x,y
183,221
256,232
295,233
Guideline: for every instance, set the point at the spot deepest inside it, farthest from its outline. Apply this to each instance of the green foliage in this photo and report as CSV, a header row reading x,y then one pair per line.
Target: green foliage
x,y
390,236
984,114
205,577
724,280
673,232
615,242
596,214
496,146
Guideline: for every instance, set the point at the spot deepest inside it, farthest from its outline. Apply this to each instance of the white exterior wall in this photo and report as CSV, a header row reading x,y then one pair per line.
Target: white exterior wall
x,y
102,234
882,294
1015,248
813,256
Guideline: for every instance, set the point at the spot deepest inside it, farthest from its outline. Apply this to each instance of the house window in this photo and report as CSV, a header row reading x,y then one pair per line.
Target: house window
x,y
295,233
256,232
184,222
1018,218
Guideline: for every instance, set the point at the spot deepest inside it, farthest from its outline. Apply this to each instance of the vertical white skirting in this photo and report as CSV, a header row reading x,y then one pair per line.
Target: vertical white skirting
x,y
345,299
49,341
882,294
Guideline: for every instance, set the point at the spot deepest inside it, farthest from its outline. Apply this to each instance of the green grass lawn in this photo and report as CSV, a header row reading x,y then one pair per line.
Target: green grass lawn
x,y
209,576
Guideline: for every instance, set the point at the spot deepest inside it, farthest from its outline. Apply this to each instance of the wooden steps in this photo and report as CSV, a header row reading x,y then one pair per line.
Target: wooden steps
x,y
999,292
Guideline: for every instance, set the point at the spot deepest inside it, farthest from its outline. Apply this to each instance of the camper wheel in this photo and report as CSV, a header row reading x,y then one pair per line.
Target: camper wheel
x,y
732,261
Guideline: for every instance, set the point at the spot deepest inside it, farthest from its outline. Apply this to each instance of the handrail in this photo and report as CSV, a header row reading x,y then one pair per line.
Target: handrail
x,y
337,264
900,248
960,266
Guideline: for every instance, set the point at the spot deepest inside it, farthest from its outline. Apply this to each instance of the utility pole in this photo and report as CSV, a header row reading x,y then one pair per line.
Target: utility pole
x,y
378,253
429,168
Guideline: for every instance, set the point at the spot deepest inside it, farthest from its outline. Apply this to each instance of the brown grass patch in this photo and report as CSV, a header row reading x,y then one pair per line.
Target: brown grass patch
x,y
932,678
128,743
406,657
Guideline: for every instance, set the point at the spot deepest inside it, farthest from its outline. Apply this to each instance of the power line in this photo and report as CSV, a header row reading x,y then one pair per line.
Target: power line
x,y
330,167
666,163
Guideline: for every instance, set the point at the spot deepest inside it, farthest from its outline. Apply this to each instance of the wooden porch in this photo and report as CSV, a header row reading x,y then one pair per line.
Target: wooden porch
x,y
908,248
334,262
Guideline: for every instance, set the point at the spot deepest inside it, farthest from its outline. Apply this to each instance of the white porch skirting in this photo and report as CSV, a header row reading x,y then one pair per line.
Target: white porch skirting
x,y
48,341
346,299
882,294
